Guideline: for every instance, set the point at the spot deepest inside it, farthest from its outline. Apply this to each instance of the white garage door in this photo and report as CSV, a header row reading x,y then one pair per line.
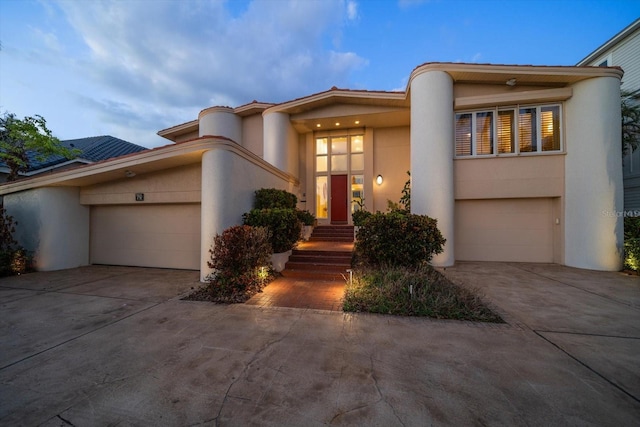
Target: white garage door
x,y
165,236
518,230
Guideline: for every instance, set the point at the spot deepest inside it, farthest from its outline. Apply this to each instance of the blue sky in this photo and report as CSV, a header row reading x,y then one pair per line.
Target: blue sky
x,y
131,68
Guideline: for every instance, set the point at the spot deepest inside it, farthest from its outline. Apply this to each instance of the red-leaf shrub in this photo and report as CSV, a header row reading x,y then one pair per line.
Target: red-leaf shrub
x,y
241,256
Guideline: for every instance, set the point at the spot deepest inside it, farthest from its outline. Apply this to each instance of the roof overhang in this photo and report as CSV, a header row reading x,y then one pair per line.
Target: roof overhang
x,y
174,132
529,75
153,160
347,108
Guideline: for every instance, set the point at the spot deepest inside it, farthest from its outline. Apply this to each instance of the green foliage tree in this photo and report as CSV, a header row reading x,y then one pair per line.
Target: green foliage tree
x,y
19,137
630,121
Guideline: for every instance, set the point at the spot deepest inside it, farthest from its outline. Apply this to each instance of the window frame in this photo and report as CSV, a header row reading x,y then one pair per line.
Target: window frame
x,y
495,135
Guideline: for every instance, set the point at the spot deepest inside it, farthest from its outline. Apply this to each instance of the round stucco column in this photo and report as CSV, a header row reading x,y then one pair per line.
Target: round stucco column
x,y
220,121
216,165
593,176
432,155
276,129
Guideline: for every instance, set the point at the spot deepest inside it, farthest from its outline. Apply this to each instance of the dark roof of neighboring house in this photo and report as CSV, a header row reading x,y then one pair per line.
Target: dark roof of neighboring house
x,y
93,149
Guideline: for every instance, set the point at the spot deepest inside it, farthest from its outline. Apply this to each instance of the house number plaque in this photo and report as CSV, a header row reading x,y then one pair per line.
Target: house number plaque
x,y
139,197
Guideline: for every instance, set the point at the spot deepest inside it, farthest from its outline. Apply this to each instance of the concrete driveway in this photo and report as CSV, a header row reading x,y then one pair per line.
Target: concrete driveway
x,y
112,345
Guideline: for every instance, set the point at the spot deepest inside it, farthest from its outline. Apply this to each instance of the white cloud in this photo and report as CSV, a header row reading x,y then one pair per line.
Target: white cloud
x,y
50,40
352,10
186,56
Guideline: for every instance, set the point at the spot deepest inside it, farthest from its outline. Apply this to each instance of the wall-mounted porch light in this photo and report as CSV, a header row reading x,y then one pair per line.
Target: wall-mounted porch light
x,y
379,180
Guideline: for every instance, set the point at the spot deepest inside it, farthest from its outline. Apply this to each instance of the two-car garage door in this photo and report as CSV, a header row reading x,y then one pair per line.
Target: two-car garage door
x,y
168,236
519,230
165,236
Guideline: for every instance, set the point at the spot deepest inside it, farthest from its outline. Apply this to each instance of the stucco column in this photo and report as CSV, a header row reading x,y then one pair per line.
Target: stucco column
x,y
215,214
593,176
276,144
220,121
432,138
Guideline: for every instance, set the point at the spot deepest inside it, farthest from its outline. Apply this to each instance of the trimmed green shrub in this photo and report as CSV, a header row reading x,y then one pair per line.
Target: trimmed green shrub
x,y
398,239
272,198
241,256
632,243
15,261
360,216
13,258
283,225
7,228
305,217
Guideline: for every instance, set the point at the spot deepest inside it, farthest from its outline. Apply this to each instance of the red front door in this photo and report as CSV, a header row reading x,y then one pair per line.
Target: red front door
x,y
339,201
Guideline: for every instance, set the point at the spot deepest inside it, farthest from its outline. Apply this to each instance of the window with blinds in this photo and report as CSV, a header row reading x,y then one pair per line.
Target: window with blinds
x,y
506,132
484,132
463,135
529,129
527,135
550,128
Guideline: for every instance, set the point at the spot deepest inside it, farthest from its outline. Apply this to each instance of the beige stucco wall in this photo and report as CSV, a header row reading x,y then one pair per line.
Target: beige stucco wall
x,y
225,200
280,142
466,89
432,149
53,225
593,179
509,177
253,133
510,208
391,159
177,185
220,121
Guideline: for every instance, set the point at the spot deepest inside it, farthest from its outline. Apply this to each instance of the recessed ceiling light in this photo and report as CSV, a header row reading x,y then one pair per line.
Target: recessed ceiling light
x,y
357,122
318,125
337,123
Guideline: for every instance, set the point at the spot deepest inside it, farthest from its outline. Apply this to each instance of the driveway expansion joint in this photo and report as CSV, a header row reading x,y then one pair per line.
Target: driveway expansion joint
x,y
539,333
76,337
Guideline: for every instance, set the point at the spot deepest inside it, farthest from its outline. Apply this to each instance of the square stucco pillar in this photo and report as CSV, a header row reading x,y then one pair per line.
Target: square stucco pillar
x,y
593,176
432,135
53,225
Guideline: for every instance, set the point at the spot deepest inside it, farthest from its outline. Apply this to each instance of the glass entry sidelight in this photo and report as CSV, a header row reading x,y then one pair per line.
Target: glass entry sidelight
x,y
339,203
339,170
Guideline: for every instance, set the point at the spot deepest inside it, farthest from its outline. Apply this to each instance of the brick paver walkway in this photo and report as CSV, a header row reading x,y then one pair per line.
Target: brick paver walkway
x,y
296,292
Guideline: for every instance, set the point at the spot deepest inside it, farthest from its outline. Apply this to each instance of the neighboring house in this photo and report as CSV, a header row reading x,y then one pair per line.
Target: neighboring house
x,y
623,50
92,149
517,163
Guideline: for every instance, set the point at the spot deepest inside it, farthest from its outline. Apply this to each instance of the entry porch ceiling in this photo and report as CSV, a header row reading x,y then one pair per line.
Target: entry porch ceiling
x,y
350,116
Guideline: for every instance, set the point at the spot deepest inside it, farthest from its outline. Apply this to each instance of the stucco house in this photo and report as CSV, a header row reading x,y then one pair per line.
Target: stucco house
x,y
517,163
623,50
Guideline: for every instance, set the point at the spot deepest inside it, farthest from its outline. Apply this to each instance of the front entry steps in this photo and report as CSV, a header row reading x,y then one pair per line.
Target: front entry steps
x,y
326,256
332,233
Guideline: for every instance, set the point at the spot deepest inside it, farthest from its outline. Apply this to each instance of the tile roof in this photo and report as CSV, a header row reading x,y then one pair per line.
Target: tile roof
x,y
93,149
